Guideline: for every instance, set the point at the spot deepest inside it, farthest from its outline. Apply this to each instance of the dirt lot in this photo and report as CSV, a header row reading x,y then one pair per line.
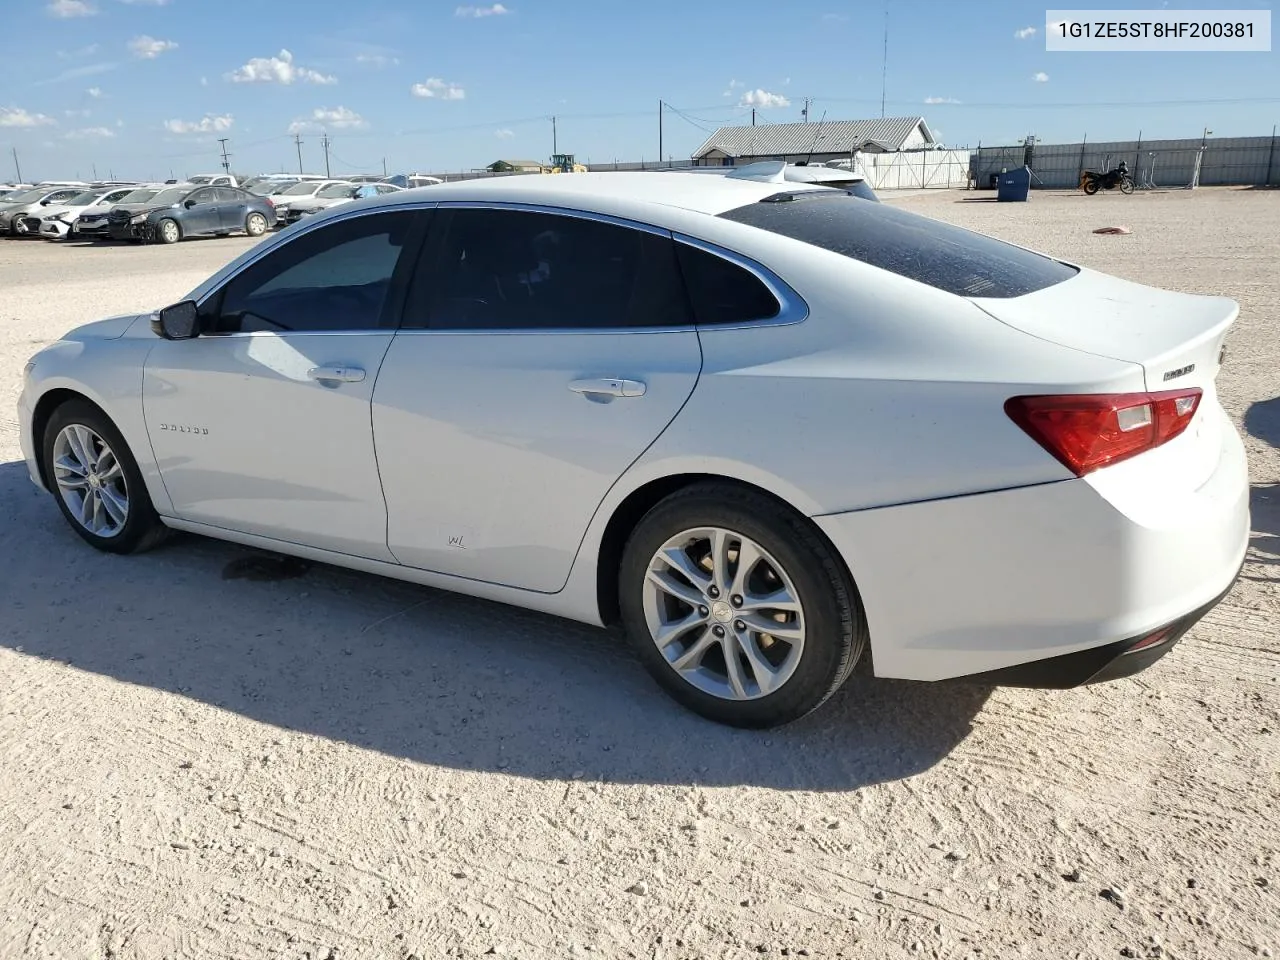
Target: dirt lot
x,y
339,766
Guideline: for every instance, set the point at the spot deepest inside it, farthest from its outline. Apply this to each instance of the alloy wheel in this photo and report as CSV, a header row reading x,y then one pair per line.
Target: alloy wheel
x,y
90,480
724,614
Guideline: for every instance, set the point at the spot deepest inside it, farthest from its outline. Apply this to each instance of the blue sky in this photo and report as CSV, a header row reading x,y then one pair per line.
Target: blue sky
x,y
144,88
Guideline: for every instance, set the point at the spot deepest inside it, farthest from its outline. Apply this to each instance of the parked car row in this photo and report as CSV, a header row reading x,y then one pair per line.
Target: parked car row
x,y
204,205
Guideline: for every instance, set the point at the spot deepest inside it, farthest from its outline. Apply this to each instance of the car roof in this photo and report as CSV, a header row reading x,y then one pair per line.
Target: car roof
x,y
601,192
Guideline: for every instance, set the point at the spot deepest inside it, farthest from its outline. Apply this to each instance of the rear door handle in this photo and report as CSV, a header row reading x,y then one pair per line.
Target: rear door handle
x,y
336,374
609,387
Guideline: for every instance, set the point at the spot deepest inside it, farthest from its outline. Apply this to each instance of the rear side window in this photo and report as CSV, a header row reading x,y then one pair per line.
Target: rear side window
x,y
928,251
723,292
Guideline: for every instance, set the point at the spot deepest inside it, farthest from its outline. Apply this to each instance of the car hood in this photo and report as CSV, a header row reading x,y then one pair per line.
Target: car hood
x,y
112,328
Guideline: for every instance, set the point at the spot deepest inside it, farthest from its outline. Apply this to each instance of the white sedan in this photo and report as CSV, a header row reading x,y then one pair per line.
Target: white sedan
x,y
765,426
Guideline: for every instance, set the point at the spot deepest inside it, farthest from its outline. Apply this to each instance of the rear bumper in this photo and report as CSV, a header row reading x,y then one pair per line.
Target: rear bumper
x,y
1112,661
1060,576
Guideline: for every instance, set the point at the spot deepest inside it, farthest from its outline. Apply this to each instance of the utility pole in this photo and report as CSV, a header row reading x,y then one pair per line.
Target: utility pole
x,y
325,143
384,168
555,143
805,112
753,116
16,165
297,139
226,157
884,65
659,133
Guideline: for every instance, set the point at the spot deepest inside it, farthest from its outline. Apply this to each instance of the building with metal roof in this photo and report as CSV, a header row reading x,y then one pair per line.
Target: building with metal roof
x,y
818,142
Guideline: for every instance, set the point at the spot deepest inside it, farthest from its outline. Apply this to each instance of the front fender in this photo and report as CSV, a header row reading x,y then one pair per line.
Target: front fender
x,y
108,373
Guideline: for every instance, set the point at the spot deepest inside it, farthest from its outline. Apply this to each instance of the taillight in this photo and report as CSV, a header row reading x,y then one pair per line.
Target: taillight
x,y
1089,431
270,203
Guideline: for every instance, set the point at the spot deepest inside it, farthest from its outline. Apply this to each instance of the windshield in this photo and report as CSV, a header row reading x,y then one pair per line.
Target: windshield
x,y
928,251
267,187
27,197
83,199
299,190
200,180
138,196
167,198
337,191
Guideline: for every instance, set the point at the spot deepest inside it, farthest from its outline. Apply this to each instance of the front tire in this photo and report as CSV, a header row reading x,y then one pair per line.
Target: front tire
x,y
255,224
168,231
737,606
1126,185
96,481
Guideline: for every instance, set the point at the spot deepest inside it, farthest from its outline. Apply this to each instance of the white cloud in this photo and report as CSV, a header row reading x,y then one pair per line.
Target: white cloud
x,y
210,124
148,48
278,69
95,93
339,118
17,117
1040,77
77,113
89,133
1025,33
377,60
835,17
494,10
763,99
733,85
66,9
941,100
204,81
438,89
504,134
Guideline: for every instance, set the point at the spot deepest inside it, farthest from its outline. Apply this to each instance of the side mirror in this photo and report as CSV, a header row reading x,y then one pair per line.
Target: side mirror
x,y
181,321
188,204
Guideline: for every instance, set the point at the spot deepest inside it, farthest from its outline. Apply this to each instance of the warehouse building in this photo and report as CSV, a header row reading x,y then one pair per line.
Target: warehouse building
x,y
816,142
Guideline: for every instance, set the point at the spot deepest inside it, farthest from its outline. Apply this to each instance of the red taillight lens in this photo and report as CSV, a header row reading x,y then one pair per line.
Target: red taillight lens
x,y
271,203
1090,431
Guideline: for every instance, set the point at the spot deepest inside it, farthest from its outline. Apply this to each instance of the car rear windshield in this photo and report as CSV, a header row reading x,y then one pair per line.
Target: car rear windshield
x,y
938,254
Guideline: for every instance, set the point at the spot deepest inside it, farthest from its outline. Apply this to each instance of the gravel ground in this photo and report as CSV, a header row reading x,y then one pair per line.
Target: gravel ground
x,y
201,764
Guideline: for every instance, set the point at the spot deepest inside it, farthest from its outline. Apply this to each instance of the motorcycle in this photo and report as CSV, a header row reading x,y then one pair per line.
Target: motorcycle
x,y
1091,181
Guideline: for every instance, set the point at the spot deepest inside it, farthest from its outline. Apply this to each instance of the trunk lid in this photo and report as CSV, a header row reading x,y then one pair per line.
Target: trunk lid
x,y
1176,337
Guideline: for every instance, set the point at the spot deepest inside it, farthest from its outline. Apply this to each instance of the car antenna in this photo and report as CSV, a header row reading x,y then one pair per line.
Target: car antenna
x,y
816,134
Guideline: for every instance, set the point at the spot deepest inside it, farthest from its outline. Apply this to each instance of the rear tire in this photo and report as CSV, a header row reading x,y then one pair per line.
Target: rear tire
x,y
168,231
255,224
1091,187
96,481
704,633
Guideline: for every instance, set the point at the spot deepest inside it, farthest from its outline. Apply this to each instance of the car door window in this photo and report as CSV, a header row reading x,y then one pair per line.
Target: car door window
x,y
201,196
117,196
228,195
334,278
496,269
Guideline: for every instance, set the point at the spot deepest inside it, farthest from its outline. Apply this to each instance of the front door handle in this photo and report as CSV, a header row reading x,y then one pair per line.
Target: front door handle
x,y
609,387
336,374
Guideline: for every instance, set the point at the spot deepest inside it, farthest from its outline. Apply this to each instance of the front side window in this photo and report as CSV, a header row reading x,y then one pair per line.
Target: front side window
x,y
519,270
304,189
230,195
938,254
333,278
206,195
61,196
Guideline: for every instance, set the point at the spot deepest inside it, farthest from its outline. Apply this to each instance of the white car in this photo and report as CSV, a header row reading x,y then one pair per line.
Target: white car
x,y
213,180
767,427
302,190
58,219
20,213
332,196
